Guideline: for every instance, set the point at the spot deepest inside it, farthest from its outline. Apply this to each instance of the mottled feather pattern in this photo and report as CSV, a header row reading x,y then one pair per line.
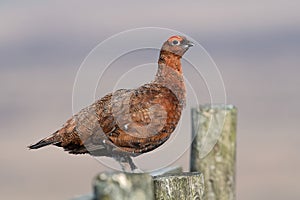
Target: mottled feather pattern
x,y
130,121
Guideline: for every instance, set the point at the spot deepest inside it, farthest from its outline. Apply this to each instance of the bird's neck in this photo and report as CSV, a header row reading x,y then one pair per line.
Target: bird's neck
x,y
169,74
171,60
169,67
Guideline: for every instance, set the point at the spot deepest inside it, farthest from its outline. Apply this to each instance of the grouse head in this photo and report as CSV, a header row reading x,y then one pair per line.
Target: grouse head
x,y
177,45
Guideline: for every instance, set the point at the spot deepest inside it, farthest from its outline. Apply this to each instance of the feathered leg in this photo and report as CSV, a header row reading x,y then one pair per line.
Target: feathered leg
x,y
127,164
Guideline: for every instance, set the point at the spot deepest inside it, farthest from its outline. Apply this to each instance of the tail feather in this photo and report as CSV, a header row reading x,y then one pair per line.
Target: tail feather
x,y
40,144
52,139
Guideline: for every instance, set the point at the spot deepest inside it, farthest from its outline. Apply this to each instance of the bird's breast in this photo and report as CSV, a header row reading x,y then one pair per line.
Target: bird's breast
x,y
145,117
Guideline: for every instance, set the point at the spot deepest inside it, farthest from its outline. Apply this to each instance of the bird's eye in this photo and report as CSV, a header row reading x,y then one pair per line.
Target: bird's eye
x,y
175,42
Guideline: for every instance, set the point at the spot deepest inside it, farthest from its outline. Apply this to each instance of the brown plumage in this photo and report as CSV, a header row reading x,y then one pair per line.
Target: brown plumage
x,y
129,122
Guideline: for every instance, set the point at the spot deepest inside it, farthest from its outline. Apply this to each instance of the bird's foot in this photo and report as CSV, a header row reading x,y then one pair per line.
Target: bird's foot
x,y
127,164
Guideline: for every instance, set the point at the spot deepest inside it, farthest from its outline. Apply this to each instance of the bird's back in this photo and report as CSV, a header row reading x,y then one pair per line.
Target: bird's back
x,y
143,118
129,122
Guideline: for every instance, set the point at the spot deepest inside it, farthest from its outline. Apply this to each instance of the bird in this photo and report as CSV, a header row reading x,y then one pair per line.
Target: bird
x,y
129,122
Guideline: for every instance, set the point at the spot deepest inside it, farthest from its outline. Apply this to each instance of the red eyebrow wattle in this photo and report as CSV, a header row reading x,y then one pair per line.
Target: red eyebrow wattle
x,y
175,37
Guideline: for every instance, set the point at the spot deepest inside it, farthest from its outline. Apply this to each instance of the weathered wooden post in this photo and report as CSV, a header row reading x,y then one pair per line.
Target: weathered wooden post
x,y
167,183
123,186
214,149
188,185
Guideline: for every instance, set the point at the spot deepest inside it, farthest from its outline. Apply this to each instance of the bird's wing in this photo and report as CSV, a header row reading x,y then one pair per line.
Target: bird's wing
x,y
126,120
143,118
138,113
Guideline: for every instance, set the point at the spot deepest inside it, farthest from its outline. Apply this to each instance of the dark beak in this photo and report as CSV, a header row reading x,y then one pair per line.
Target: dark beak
x,y
189,44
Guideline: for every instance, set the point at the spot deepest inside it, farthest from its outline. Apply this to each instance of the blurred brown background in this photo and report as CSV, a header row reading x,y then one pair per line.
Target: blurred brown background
x,y
255,44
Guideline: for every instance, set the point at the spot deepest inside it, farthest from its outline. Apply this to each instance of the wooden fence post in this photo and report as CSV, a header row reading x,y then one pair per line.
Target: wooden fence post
x,y
214,149
188,185
125,186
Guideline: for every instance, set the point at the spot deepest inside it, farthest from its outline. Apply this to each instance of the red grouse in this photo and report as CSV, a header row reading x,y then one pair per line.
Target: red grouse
x,y
129,122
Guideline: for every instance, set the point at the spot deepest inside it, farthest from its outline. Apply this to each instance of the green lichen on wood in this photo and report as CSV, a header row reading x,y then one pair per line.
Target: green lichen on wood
x,y
214,149
123,186
189,185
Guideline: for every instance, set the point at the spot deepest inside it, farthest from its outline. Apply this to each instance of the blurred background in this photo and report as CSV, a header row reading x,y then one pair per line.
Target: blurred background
x,y
255,45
